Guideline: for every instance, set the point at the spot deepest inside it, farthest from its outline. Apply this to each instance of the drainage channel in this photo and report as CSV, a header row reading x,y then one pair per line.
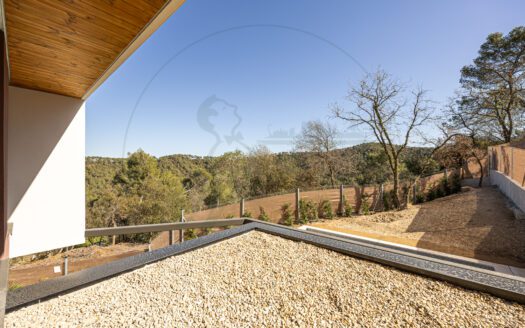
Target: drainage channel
x,y
405,249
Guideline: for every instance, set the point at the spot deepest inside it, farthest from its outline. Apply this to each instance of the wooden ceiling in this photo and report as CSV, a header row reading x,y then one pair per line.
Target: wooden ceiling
x,y
67,46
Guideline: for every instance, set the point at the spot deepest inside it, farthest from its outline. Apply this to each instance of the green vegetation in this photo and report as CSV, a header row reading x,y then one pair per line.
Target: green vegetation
x,y
308,211
286,214
325,210
262,215
142,189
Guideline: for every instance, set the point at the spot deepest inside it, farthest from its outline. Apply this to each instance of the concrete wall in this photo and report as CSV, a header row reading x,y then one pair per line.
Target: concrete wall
x,y
509,187
46,149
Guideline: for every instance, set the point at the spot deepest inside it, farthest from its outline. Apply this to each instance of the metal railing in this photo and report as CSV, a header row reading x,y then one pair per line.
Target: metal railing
x,y
180,226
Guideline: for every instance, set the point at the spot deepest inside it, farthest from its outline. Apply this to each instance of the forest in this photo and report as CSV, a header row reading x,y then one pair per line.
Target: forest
x,y
142,189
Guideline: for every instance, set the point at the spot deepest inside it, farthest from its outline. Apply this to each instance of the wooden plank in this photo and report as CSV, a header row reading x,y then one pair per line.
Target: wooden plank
x,y
65,47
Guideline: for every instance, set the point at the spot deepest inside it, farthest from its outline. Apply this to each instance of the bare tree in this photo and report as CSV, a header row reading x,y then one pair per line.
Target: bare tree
x,y
380,105
470,135
320,138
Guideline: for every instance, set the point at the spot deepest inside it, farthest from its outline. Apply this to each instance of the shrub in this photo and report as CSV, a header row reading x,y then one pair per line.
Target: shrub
x,y
420,198
262,215
190,234
455,183
308,211
439,191
445,186
205,231
286,214
349,210
246,214
431,194
365,208
388,200
325,210
230,216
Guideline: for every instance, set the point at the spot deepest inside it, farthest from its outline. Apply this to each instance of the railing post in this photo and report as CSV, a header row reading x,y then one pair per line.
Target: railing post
x,y
297,205
341,200
241,208
181,231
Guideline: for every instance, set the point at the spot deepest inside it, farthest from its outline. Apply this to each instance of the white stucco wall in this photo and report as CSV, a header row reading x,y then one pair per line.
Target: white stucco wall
x,y
509,187
46,151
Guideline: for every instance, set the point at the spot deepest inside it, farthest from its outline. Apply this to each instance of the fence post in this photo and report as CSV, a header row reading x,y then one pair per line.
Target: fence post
x,y
297,206
181,231
241,209
66,265
381,196
341,200
414,192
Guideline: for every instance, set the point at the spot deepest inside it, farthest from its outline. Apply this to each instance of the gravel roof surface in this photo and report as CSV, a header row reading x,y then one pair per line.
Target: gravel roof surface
x,y
260,280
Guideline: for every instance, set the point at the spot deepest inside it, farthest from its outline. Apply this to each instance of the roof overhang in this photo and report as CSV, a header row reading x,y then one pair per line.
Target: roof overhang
x,y
71,47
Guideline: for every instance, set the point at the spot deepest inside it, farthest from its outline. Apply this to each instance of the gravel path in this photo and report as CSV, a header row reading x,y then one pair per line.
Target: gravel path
x,y
259,280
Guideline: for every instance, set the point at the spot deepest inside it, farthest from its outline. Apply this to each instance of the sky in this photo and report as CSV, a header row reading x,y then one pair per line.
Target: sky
x,y
228,75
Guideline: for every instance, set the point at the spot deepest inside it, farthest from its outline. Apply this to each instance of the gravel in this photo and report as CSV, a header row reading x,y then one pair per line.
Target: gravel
x,y
260,280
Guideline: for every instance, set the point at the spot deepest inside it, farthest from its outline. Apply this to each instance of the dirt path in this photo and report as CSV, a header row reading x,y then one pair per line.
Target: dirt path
x,y
476,223
31,272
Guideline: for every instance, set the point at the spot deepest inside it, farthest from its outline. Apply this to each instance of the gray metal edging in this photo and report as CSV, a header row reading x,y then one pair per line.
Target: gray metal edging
x,y
481,280
477,279
50,288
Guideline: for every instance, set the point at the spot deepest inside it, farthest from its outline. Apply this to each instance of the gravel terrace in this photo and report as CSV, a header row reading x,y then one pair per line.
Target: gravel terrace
x,y
260,280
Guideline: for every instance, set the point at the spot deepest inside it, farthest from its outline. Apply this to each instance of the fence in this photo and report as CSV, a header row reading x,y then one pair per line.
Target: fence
x,y
509,161
507,171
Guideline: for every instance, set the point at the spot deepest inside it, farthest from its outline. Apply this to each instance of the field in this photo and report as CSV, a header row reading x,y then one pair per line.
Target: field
x,y
476,223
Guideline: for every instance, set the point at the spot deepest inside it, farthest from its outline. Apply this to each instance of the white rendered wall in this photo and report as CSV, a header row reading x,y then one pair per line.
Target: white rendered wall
x,y
509,187
46,151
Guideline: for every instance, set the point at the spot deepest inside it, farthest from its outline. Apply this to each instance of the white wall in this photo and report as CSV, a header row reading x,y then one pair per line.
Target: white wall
x,y
46,151
509,187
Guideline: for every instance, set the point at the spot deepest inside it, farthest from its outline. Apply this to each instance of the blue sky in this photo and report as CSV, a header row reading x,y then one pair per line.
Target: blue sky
x,y
266,67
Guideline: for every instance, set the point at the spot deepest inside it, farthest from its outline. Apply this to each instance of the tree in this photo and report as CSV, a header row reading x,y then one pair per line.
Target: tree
x,y
467,136
493,86
321,139
380,105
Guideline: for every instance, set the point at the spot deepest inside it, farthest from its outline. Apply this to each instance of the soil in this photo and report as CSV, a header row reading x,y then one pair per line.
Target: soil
x,y
476,223
27,272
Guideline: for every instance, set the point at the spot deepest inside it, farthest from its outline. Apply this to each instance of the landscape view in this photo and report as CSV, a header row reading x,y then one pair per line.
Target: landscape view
x,y
266,175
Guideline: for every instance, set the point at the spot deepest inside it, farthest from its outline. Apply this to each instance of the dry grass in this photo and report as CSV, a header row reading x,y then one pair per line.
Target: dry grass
x,y
476,223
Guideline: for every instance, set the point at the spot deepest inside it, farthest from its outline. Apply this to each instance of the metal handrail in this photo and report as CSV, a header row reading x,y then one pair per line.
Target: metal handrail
x,y
124,230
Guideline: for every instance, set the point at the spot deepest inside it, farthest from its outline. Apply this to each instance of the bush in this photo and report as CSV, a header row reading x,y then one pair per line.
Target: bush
x,y
365,208
205,231
438,190
349,210
445,186
307,211
455,183
190,234
230,216
246,214
262,215
325,210
431,194
420,198
388,200
286,214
